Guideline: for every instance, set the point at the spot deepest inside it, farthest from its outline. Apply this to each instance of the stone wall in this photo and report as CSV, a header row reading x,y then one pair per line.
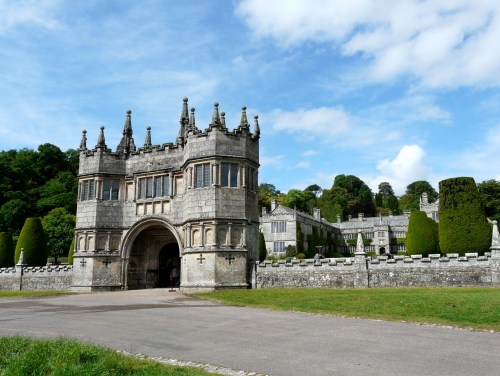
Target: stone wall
x,y
58,277
361,271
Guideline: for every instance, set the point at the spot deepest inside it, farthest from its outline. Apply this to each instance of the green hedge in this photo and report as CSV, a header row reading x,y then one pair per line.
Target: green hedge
x,y
72,250
262,247
6,250
420,238
462,222
32,238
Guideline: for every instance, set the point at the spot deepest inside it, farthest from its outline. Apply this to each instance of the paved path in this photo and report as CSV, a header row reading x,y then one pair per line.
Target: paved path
x,y
159,323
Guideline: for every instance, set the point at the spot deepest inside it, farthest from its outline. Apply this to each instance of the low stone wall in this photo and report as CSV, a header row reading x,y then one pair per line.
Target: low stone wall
x,y
51,277
361,271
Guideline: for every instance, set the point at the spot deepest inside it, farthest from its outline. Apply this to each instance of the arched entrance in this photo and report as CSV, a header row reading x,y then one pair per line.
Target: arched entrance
x,y
150,249
168,262
381,251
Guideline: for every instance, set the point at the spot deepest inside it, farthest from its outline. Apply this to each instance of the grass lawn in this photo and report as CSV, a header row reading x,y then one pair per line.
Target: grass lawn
x,y
21,294
477,308
24,356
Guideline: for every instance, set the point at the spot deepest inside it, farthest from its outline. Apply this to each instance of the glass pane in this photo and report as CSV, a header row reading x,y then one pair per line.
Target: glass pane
x,y
116,190
206,175
158,187
91,190
225,175
165,186
107,190
142,186
149,188
234,175
85,190
199,176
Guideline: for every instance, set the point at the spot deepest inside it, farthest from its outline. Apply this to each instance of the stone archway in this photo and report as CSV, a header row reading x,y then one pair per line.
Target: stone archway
x,y
140,252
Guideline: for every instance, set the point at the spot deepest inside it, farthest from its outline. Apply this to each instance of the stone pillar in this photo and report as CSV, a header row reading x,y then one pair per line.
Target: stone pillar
x,y
360,265
171,184
202,234
19,271
495,255
274,204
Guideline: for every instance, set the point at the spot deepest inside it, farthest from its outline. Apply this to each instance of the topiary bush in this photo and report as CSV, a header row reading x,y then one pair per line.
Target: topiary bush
x,y
262,247
6,250
420,238
71,251
462,222
32,238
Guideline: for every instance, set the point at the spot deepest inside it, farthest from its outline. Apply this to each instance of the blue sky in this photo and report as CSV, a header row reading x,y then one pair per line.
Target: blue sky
x,y
392,91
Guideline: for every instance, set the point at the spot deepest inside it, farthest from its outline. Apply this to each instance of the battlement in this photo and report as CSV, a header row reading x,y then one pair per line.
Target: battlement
x,y
361,271
191,143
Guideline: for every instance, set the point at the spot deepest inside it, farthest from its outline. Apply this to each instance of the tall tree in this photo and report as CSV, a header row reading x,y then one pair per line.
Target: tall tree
x,y
59,227
266,193
490,197
411,198
462,222
296,199
385,189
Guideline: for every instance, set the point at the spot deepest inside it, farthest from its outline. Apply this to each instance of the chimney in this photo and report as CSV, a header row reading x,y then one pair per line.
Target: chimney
x,y
339,218
317,213
407,213
390,214
349,217
264,211
424,199
361,217
274,205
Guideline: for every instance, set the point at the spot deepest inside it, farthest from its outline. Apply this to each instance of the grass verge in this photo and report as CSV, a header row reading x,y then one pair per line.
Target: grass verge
x,y
24,356
477,308
23,294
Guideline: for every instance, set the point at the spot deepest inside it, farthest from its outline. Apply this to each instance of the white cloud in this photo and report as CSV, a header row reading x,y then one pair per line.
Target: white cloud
x,y
406,168
440,43
323,122
309,153
303,164
27,12
275,161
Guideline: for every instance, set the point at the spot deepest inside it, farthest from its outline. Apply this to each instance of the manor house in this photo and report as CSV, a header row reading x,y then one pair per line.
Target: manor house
x,y
383,235
188,208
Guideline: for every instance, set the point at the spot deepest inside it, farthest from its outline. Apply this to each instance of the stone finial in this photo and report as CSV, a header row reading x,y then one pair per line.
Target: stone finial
x,y
181,137
147,141
244,121
495,238
21,258
83,142
192,121
184,113
256,128
223,119
360,247
215,116
127,127
101,141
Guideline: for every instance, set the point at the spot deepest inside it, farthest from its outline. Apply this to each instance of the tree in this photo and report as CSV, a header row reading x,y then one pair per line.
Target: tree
x,y
393,204
378,200
462,223
262,247
12,215
364,203
334,202
6,250
385,189
296,199
411,198
421,237
315,188
490,197
59,227
34,242
266,193
349,182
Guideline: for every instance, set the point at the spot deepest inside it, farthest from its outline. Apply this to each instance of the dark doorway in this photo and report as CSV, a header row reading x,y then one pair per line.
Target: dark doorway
x,y
168,260
382,251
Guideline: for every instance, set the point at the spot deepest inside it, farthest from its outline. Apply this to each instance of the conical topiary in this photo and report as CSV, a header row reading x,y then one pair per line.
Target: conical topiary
x,y
6,250
71,251
34,242
421,237
462,222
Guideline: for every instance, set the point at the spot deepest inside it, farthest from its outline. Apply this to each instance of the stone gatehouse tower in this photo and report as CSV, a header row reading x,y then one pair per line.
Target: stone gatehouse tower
x,y
191,204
